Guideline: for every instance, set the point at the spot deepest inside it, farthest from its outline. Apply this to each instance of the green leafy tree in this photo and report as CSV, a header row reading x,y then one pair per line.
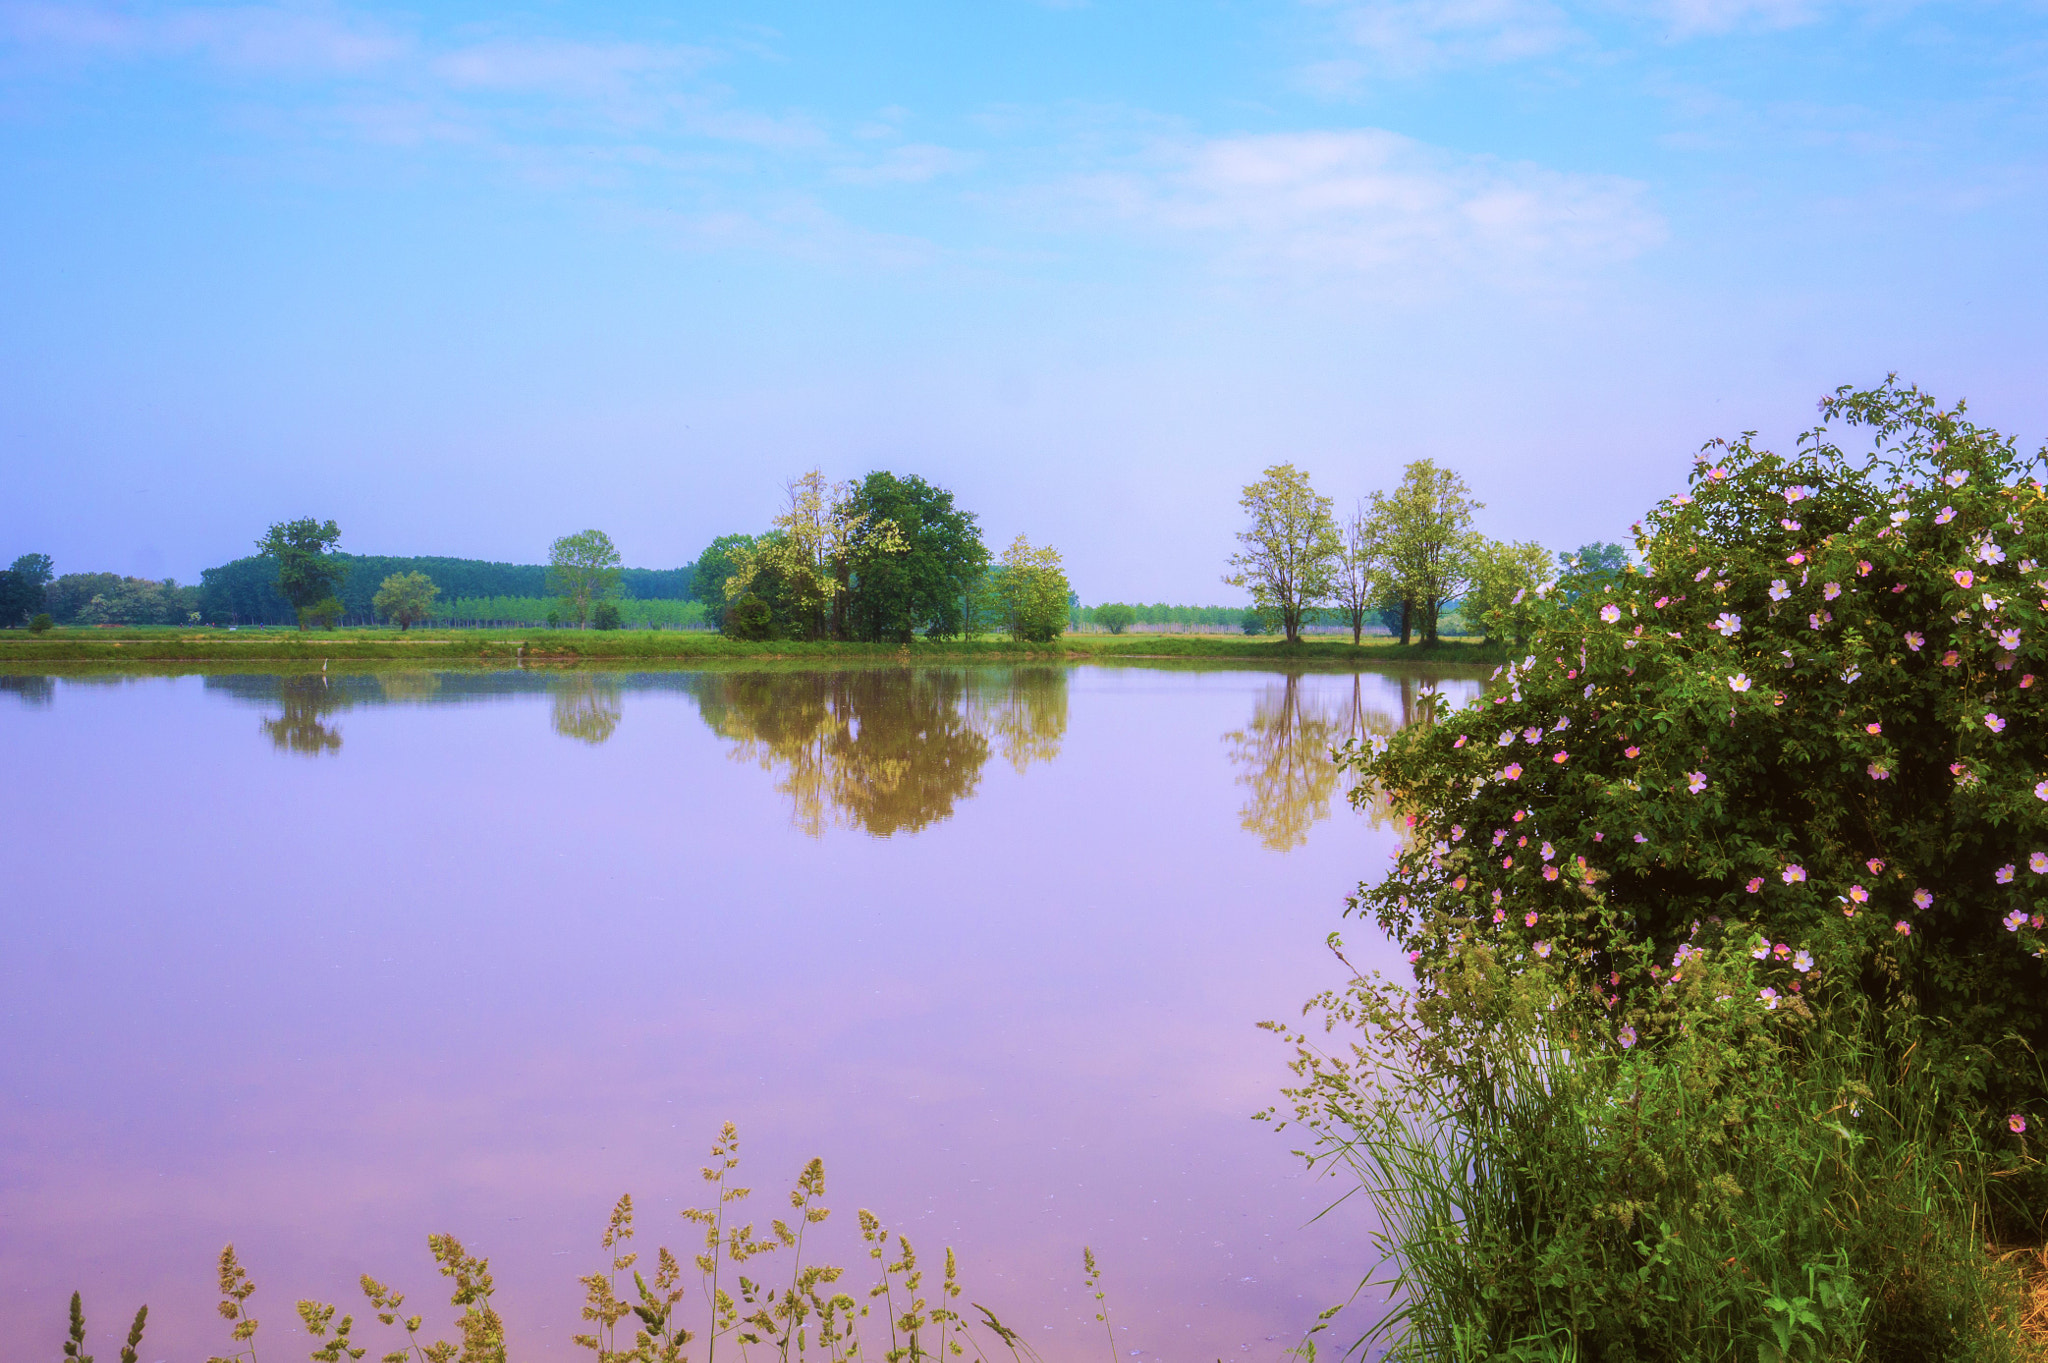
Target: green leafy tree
x,y
583,569
606,616
1115,617
806,564
1424,532
1811,724
981,602
1035,592
1290,552
919,586
307,570
407,598
708,575
1506,588
22,589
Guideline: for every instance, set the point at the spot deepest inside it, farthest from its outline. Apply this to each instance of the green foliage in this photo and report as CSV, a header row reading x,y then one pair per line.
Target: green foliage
x,y
39,623
406,598
1421,539
714,566
1289,554
1812,711
301,554
22,589
74,1344
1503,598
750,619
1034,592
918,587
1254,622
1709,1181
1115,617
325,613
605,616
583,569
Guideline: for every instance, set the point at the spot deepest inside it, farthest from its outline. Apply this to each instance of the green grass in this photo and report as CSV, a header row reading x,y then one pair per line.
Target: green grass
x,y
126,647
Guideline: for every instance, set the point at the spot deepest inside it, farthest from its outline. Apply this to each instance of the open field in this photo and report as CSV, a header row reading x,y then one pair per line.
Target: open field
x,y
422,646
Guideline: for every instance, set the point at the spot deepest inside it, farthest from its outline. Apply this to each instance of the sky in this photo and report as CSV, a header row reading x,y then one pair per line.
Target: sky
x,y
466,277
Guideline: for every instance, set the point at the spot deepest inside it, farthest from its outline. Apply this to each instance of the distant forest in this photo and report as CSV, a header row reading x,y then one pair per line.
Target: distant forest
x,y
245,591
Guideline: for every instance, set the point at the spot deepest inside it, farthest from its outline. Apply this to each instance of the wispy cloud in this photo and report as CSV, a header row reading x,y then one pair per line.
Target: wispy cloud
x,y
284,38
912,163
588,70
1372,201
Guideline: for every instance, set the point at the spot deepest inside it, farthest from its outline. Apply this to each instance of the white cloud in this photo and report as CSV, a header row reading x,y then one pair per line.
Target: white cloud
x,y
912,163
1407,37
1694,18
1373,201
565,68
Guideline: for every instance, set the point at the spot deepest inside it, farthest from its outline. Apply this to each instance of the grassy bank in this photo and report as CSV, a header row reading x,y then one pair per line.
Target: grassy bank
x,y
471,647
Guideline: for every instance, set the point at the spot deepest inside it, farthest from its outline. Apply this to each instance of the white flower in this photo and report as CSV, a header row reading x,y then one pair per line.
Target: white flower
x,y
1779,591
1795,493
1945,515
1729,625
1989,552
1610,612
1738,682
1507,736
1956,478
1696,782
1851,674
1901,517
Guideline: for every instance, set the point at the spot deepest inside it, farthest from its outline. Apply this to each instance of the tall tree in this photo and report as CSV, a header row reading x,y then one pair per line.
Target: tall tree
x,y
21,589
307,570
1034,592
583,569
1425,532
893,595
1507,581
819,544
1291,549
406,598
1356,583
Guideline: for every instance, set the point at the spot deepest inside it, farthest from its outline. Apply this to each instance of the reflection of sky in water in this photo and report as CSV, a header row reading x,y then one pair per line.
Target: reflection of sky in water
x,y
338,962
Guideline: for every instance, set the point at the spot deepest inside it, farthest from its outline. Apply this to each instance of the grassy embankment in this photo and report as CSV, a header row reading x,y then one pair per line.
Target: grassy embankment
x,y
474,646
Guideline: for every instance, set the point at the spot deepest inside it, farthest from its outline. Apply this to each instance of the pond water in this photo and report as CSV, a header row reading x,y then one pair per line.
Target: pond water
x,y
320,964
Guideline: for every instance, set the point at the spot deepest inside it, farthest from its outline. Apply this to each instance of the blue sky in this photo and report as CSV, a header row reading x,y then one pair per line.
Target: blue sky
x,y
467,277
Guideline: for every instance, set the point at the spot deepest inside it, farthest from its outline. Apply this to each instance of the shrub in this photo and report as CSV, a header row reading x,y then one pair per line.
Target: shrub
x,y
1115,617
40,624
323,613
1812,714
1252,622
749,618
605,616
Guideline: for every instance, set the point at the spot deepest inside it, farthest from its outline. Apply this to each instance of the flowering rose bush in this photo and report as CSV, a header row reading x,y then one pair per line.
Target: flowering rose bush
x,y
1811,722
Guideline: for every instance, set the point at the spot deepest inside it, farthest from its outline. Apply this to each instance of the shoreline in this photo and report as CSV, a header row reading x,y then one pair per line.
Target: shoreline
x,y
20,650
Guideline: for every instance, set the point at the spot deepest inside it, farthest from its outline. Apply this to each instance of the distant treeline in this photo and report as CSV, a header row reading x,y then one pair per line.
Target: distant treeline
x,y
535,610
245,591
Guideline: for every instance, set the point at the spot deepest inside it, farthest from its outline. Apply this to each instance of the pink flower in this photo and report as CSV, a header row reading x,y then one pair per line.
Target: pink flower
x,y
1633,753
1696,782
1506,863
1831,591
1561,758
1863,567
1627,1037
1662,602
1943,517
1915,639
1769,996
1951,658
2038,863
1859,894
1994,723
1550,873
1548,851
1795,559
2041,791
1460,743
2005,873
1923,899
1458,884
1873,727
1513,772
1875,864
1611,612
1500,915
2015,920
1903,928
1530,919
1965,578
1878,771
2026,681
1793,874
2016,1124
1755,883
1543,949
1739,682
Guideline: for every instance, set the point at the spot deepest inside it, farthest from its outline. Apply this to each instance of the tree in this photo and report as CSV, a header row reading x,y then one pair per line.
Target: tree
x,y
1506,589
1115,617
605,615
583,569
406,598
713,567
894,593
1425,538
811,556
21,589
981,602
1035,591
307,572
1291,549
1356,583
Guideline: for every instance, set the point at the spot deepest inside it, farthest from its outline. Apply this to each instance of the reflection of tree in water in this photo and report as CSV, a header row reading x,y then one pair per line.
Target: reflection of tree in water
x,y
586,706
1284,755
307,701
409,685
30,691
887,750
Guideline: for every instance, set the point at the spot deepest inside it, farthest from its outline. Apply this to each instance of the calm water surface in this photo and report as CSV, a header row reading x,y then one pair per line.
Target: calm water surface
x,y
322,964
